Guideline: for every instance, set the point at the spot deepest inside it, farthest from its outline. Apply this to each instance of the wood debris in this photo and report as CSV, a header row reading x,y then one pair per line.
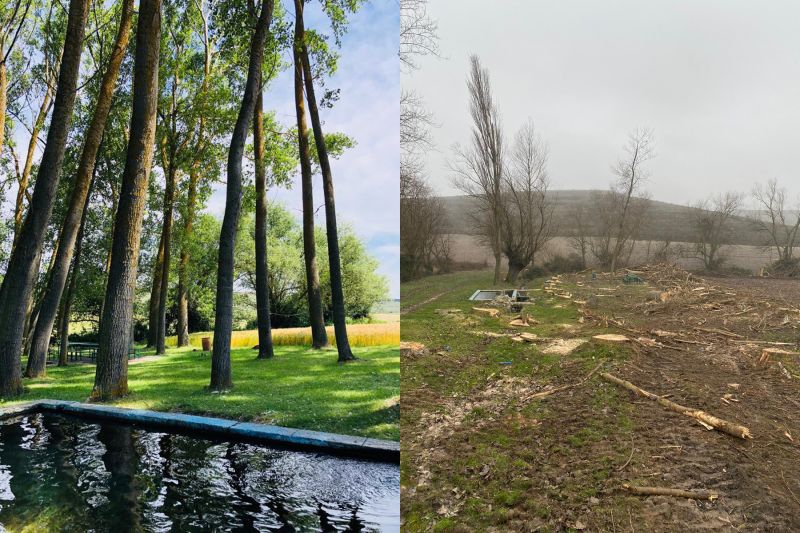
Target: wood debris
x,y
412,349
563,346
610,338
677,493
526,337
711,420
487,311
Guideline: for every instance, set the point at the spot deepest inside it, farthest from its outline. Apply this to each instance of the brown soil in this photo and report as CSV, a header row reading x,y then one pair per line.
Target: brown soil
x,y
702,348
716,369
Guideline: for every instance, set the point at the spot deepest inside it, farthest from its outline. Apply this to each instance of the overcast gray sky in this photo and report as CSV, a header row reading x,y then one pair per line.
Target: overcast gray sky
x,y
717,81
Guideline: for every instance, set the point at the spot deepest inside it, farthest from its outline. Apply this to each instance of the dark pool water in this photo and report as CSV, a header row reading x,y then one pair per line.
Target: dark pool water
x,y
66,474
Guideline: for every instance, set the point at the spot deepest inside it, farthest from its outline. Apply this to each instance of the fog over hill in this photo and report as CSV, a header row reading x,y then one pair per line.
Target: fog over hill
x,y
664,222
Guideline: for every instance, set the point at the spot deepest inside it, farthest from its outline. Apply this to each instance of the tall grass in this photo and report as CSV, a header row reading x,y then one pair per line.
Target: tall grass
x,y
359,335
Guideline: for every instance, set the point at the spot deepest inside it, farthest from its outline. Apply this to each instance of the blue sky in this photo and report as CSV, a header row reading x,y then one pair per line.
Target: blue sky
x,y
366,177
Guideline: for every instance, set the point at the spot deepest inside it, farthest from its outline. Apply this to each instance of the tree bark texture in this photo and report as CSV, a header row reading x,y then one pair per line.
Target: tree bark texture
x,y
111,377
155,295
319,336
265,349
223,324
337,293
23,265
78,202
166,237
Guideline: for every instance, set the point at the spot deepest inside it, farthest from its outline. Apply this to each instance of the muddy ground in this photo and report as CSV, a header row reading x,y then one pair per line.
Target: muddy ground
x,y
486,448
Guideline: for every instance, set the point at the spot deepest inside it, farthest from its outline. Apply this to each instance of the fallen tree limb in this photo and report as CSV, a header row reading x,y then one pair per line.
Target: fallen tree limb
x,y
711,420
677,493
722,332
771,343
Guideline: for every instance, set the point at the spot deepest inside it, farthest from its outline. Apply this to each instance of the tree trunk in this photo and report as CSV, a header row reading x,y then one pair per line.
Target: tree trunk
x,y
79,201
319,336
3,100
223,324
337,292
23,180
166,235
155,296
111,377
514,268
191,200
265,350
183,265
66,306
23,266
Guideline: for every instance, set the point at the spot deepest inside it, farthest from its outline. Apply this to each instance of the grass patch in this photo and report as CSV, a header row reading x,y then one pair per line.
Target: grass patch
x,y
528,461
300,387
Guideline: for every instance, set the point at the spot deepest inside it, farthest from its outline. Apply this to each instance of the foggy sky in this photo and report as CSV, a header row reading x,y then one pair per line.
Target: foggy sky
x,y
717,81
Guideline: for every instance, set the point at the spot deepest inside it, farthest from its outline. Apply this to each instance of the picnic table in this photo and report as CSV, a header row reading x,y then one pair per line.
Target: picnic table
x,y
83,351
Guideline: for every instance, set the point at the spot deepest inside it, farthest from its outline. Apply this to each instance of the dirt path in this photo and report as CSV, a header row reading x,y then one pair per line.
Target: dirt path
x,y
412,308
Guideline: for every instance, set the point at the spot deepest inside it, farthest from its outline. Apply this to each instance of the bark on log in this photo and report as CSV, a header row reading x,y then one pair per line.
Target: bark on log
x,y
717,423
677,493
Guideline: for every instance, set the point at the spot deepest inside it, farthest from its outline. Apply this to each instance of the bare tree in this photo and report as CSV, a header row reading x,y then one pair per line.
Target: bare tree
x,y
421,215
608,238
415,122
418,32
777,219
423,244
527,218
630,179
579,232
712,224
478,169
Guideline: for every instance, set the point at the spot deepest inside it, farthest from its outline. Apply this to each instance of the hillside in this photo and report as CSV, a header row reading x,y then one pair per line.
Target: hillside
x,y
666,221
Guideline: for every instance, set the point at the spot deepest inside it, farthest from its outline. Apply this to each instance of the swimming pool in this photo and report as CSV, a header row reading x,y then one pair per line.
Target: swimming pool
x,y
63,473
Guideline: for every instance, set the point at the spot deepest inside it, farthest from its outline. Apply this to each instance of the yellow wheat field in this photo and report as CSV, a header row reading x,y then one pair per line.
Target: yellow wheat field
x,y
359,335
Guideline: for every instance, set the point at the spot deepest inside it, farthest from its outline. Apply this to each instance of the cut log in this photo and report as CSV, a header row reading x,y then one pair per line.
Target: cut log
x,y
611,338
662,333
529,337
778,351
522,322
711,420
563,346
677,493
487,311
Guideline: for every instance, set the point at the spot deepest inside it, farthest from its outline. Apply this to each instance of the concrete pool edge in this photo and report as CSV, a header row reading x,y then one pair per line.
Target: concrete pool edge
x,y
382,450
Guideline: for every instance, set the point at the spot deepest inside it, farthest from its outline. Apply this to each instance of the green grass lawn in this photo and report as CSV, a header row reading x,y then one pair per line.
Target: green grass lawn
x,y
491,472
300,388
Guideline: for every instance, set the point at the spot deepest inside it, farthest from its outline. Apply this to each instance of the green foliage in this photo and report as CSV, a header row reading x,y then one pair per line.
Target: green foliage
x,y
363,287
